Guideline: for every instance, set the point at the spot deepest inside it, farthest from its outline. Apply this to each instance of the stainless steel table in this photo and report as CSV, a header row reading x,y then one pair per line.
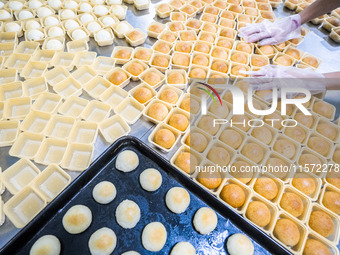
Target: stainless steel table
x,y
316,43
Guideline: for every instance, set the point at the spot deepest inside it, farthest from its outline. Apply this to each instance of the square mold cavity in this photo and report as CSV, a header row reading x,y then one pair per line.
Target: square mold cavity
x,y
102,64
6,49
24,206
34,87
19,175
96,111
77,45
59,127
8,75
11,90
51,151
28,48
17,108
56,75
33,69
97,86
77,156
85,58
130,110
73,106
47,102
44,56
84,74
113,96
114,128
9,132
84,132
17,61
26,145
68,87
51,182
1,110
64,59
35,122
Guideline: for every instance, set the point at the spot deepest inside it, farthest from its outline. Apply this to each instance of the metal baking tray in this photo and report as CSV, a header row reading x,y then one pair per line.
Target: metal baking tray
x,y
153,208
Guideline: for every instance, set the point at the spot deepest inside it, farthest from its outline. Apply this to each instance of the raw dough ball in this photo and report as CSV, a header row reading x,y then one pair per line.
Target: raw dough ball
x,y
177,199
253,151
239,58
202,47
123,54
176,26
78,34
205,220
219,156
51,21
197,73
184,47
35,35
292,203
44,12
15,5
100,10
241,119
122,28
207,37
327,130
162,47
221,111
266,187
190,105
142,54
331,200
323,109
118,77
34,4
77,219
295,53
220,53
304,183
48,244
135,35
152,78
104,192
69,14
179,121
176,78
55,31
321,223
103,35
220,66
263,134
319,145
164,138
85,7
71,24
150,179
183,248
336,156
200,59
108,21
55,4
315,247
12,27
209,27
180,59
163,8
135,68
197,141
236,69
234,195
156,28
70,4
130,253
267,50
312,61
154,236
258,213
142,94
285,147
158,111
54,44
187,162
225,43
287,232
211,180
296,133
127,214
304,119
32,24
188,36
277,163
169,95
231,138
103,241
206,123
259,61
240,244
23,15
160,61
127,161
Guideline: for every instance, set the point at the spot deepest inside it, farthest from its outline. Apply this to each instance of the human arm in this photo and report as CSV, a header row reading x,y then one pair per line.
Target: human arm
x,y
317,9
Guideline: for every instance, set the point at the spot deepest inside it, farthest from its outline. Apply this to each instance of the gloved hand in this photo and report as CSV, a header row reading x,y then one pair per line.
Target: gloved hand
x,y
275,76
272,33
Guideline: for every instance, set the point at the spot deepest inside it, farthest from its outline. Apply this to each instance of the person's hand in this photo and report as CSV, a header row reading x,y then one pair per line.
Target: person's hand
x,y
272,33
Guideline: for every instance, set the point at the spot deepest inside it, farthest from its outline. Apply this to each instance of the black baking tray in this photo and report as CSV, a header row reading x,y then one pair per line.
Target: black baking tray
x,y
179,226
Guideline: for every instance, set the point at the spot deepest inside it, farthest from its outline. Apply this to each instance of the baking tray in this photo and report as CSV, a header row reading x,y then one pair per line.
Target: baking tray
x,y
153,208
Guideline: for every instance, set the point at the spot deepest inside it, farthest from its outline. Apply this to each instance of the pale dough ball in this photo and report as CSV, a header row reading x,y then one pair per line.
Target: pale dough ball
x,y
221,111
127,214
130,253
54,44
15,5
205,220
177,199
12,27
104,192
154,236
55,31
103,241
79,34
25,15
44,12
77,219
51,21
127,161
48,245
238,244
35,35
231,138
183,248
150,179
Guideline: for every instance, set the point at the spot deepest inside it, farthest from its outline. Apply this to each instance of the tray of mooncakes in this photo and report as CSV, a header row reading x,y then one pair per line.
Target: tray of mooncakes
x,y
131,200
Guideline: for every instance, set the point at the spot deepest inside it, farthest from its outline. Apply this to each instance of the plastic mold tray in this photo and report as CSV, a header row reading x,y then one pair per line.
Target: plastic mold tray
x,y
84,132
19,175
77,156
96,111
59,127
85,58
64,59
17,61
35,122
68,87
17,108
56,75
103,64
11,90
77,45
51,151
6,49
84,74
47,102
9,132
73,106
8,75
33,69
26,145
96,86
28,48
35,86
130,110
51,182
113,96
113,128
44,56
